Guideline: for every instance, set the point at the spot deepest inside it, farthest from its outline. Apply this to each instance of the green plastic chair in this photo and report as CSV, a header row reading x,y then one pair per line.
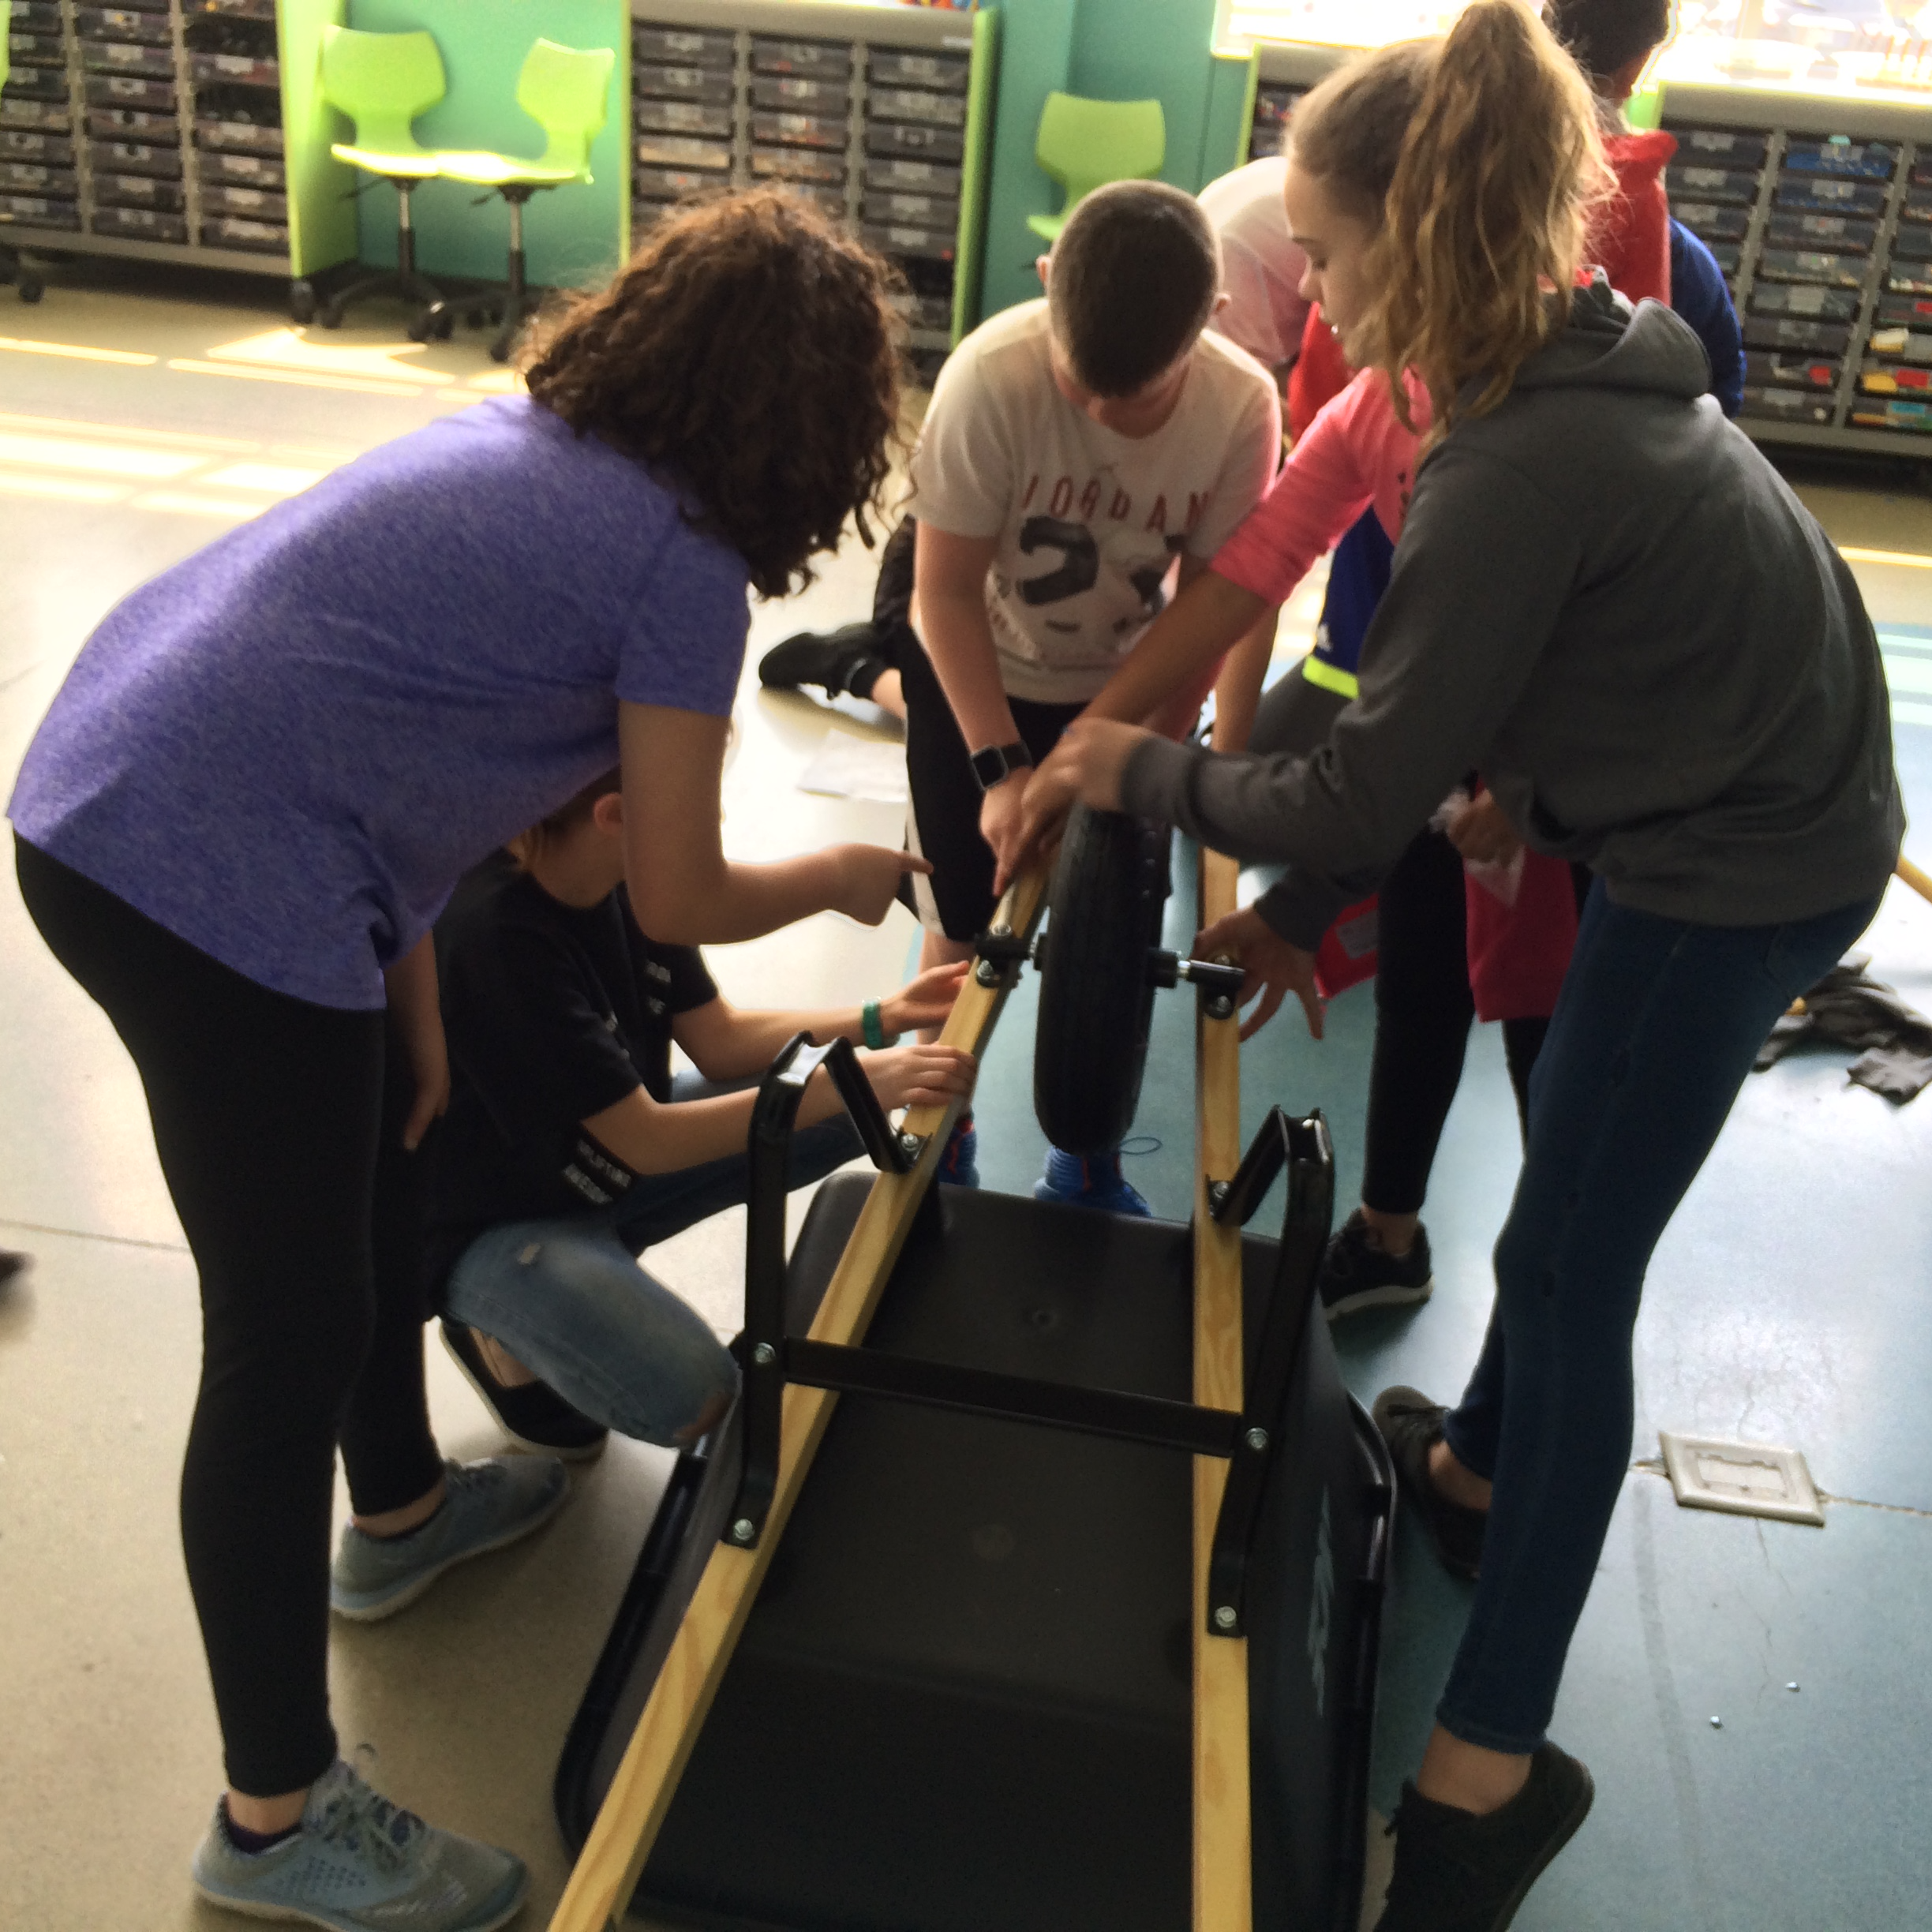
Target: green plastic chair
x,y
565,90
382,82
1083,144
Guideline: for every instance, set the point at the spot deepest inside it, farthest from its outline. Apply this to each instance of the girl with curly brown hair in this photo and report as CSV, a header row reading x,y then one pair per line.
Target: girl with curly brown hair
x,y
247,804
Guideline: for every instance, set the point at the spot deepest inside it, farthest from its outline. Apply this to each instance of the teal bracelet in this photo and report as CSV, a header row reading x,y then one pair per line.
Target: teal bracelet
x,y
869,1025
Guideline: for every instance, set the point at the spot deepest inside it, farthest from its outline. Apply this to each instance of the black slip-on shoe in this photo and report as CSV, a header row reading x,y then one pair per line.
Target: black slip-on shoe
x,y
1410,1423
845,661
1456,1872
533,1414
1355,1273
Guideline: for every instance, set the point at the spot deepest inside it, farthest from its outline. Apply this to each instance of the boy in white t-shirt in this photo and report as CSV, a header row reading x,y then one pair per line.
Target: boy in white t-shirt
x,y
1076,447
1261,267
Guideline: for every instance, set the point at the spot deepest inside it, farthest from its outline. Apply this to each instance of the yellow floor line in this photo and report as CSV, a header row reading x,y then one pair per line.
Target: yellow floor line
x,y
192,505
44,452
126,433
69,489
77,352
302,378
270,479
1911,560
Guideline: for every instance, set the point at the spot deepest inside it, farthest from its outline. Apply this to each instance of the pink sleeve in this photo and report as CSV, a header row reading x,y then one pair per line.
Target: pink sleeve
x,y
1330,477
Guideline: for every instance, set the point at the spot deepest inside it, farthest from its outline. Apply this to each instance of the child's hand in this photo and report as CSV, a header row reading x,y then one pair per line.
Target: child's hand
x,y
868,879
925,1002
1481,834
1050,796
1273,968
916,1077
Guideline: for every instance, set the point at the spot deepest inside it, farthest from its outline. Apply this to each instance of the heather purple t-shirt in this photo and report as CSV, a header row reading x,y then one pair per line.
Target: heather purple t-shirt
x,y
286,749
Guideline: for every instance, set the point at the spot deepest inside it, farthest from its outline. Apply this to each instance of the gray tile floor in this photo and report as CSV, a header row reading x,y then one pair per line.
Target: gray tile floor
x,y
1789,1301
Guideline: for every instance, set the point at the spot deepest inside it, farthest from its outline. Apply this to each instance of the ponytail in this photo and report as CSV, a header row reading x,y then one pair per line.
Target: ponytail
x,y
1483,197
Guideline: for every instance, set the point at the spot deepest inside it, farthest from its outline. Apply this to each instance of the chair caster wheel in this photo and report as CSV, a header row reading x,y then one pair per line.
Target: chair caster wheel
x,y
444,327
31,289
476,318
422,329
330,316
301,303
495,313
499,352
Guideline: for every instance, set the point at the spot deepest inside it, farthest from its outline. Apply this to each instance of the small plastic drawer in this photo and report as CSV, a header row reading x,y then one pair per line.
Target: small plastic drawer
x,y
686,83
44,150
1791,406
932,177
1847,160
1842,234
123,91
258,204
797,164
234,70
232,9
124,57
133,124
35,17
1904,312
1808,338
1918,206
1265,142
677,151
1909,278
1273,106
1902,345
793,94
1829,197
38,211
123,24
930,144
925,312
936,245
35,84
42,50
1728,255
798,130
1781,371
134,157
677,116
946,110
139,191
1721,147
1913,243
35,116
944,73
829,60
1905,412
1712,220
258,238
920,211
240,170
676,46
1816,304
238,137
34,178
662,184
140,224
1812,265
827,200
1894,378
1730,185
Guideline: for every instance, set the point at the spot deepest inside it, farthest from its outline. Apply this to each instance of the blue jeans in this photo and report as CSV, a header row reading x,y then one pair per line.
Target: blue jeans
x,y
1656,1028
567,1299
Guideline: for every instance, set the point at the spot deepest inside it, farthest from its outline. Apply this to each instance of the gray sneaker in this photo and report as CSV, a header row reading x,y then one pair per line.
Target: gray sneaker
x,y
361,1864
489,1504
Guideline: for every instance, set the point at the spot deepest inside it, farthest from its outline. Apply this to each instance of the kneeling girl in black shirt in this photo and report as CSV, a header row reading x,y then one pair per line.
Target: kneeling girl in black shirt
x,y
570,1147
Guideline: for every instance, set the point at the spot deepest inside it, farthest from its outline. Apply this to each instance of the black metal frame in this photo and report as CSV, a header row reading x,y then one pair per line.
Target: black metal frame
x,y
770,1358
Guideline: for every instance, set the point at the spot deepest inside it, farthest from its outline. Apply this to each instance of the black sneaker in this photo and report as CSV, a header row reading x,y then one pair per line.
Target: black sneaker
x,y
1356,1274
532,1415
1410,1423
1456,1872
847,660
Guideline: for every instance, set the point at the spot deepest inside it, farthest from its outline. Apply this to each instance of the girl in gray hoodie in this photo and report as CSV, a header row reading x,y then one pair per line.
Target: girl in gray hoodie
x,y
1608,602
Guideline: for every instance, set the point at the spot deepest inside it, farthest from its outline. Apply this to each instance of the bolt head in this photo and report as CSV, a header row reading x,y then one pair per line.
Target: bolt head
x,y
1257,1440
1717,1723
910,1145
764,1354
1220,1007
986,973
744,1529
1791,1686
1224,1617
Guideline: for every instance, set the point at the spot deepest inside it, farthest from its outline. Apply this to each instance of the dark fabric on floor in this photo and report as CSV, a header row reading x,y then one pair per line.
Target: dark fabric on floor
x,y
1848,1008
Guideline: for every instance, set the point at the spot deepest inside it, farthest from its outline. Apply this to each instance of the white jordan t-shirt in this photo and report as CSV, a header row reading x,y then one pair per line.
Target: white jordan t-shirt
x,y
1087,521
1261,267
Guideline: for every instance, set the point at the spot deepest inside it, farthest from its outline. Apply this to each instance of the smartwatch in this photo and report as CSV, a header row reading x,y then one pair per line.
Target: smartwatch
x,y
998,762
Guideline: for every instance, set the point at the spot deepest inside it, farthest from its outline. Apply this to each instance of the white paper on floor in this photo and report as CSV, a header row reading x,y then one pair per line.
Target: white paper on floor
x,y
849,767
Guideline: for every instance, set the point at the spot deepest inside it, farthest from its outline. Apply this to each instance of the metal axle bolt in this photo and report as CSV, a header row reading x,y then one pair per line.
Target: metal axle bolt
x,y
910,1146
764,1354
1220,1007
986,973
744,1529
1224,1617
1257,1440
1217,1195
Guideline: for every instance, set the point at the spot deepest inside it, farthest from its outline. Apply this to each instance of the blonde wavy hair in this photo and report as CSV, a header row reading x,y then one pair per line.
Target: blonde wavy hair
x,y
1476,159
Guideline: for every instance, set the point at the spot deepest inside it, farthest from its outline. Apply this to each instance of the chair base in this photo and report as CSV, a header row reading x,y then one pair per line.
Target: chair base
x,y
509,303
406,283
15,268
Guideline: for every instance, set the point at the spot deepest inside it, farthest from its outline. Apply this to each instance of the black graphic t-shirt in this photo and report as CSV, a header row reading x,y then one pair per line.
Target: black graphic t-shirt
x,y
552,1013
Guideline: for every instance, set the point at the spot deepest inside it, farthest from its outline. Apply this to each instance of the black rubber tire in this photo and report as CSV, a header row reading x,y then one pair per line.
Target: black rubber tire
x,y
1096,1003
301,303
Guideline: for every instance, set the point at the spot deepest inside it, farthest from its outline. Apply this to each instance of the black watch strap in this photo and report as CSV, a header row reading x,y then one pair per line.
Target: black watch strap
x,y
998,762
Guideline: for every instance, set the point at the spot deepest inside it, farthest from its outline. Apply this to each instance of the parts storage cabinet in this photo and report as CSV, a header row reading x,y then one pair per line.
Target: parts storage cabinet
x,y
883,118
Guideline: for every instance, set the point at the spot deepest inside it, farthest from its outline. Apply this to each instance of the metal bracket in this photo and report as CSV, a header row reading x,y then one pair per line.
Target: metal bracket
x,y
774,1116
999,952
1303,1148
1218,981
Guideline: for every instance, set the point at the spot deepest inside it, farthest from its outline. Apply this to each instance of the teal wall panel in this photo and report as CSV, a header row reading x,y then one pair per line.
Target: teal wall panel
x,y
1037,57
1127,50
571,235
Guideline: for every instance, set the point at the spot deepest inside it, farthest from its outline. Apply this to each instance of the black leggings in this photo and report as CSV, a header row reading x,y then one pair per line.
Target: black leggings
x,y
280,1142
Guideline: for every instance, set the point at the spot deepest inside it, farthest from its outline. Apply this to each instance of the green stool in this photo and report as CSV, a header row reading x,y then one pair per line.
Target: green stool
x,y
13,263
565,90
382,82
1083,144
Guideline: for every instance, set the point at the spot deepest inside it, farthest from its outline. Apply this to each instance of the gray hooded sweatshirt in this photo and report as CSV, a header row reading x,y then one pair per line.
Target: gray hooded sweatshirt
x,y
1607,602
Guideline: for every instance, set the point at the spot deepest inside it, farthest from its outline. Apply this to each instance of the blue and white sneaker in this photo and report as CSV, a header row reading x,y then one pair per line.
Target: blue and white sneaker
x,y
1089,1181
358,1864
487,1504
959,1160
